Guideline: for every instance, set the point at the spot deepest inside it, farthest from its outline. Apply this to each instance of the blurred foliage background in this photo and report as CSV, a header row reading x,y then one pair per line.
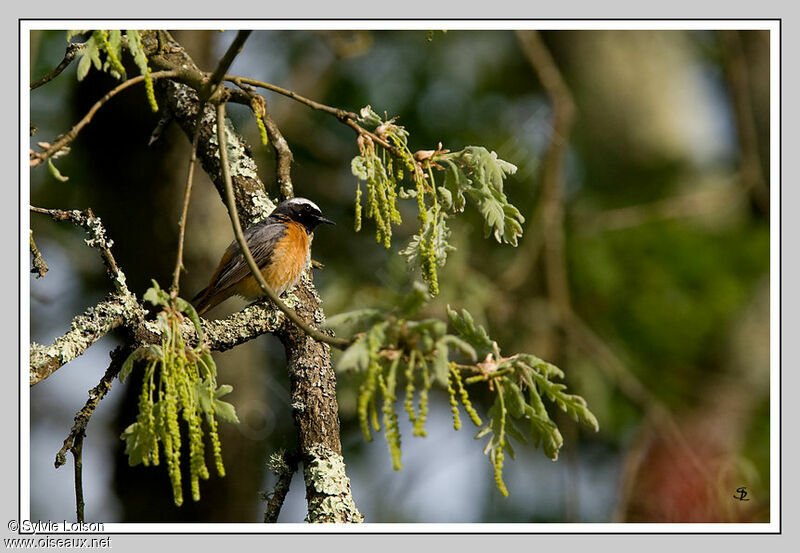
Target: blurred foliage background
x,y
665,248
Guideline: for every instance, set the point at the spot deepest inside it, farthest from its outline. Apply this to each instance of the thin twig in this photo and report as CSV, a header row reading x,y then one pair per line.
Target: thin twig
x,y
77,457
74,441
39,265
99,240
336,112
287,466
739,84
62,141
347,117
176,276
97,393
283,155
208,91
552,202
69,55
223,65
692,204
237,230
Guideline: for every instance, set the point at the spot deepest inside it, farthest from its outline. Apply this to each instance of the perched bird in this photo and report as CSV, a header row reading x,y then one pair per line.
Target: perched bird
x,y
281,246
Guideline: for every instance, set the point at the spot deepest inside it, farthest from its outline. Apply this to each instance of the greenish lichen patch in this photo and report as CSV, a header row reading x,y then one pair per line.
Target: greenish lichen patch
x,y
241,164
326,472
262,205
84,331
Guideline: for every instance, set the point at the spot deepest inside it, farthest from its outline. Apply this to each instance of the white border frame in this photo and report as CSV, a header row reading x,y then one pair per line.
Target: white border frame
x,y
772,25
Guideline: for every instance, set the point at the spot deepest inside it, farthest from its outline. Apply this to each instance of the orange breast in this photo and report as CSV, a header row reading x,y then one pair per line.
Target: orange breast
x,y
288,260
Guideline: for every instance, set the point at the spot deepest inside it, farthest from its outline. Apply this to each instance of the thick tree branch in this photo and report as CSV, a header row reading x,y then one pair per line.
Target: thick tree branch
x,y
208,91
245,249
84,331
315,408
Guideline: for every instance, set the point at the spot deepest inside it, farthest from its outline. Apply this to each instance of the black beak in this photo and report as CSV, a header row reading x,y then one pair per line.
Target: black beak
x,y
324,220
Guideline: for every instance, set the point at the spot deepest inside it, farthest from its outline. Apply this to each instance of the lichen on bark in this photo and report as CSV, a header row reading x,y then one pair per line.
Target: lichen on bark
x,y
325,472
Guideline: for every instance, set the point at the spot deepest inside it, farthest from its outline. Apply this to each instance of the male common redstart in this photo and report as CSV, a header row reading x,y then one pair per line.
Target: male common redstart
x,y
281,246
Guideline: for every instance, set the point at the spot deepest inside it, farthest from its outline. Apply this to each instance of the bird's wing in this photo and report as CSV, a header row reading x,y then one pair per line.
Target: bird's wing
x,y
261,238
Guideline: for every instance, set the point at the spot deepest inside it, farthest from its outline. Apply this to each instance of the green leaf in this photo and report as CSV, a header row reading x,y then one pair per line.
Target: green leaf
x,y
360,168
368,116
156,295
205,400
55,173
492,212
187,308
474,335
73,33
356,357
136,444
461,345
415,300
152,352
446,197
223,390
89,55
515,401
354,321
225,411
136,50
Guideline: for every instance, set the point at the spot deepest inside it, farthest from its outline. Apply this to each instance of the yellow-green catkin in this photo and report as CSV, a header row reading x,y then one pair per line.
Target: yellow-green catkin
x,y
358,207
262,130
112,57
462,392
151,93
172,436
497,460
146,417
409,402
419,424
215,444
365,398
453,401
497,455
387,386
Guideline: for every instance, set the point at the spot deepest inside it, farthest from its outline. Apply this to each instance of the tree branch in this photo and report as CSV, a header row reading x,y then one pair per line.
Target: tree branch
x,y
39,266
750,167
62,141
254,268
74,441
283,155
84,331
312,378
96,321
552,205
69,55
284,465
209,90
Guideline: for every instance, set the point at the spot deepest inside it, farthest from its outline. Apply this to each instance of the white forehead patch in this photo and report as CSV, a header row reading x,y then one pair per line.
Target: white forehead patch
x,y
305,201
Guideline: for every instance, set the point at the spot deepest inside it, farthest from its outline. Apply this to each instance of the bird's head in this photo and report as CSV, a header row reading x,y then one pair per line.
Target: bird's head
x,y
303,211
